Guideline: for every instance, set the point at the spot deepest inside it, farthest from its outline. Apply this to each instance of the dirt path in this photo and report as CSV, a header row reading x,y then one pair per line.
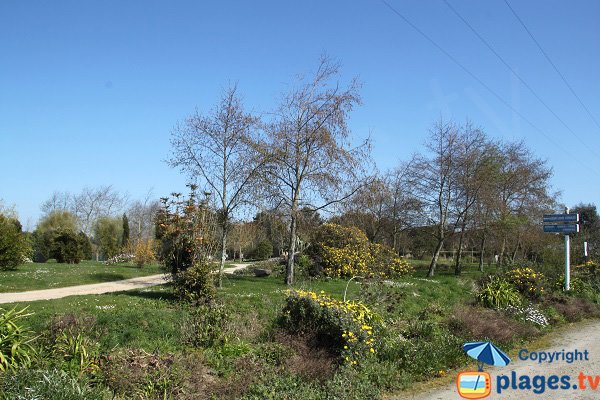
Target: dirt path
x,y
583,336
95,288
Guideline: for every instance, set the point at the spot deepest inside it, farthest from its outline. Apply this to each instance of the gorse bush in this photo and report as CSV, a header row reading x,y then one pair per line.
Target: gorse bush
x,y
346,251
348,329
527,282
15,340
496,292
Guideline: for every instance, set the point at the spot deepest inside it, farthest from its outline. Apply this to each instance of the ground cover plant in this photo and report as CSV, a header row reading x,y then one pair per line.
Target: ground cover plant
x,y
35,276
252,340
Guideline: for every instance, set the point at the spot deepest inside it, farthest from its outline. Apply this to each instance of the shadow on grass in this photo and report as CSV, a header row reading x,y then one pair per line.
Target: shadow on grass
x,y
151,294
107,277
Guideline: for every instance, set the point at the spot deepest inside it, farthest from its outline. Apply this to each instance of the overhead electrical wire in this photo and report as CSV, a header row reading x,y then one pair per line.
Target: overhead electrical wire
x,y
486,86
489,46
539,46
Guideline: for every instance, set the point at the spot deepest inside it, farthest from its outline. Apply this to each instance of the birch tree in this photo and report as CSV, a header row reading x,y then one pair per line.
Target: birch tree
x,y
311,162
214,148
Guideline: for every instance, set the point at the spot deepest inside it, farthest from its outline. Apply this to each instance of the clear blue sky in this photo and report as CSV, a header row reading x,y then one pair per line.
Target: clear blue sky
x,y
89,91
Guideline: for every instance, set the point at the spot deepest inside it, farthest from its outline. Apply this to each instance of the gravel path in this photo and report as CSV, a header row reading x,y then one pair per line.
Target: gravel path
x,y
95,288
582,336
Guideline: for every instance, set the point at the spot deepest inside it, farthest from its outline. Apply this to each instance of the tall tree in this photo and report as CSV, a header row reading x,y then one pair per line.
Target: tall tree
x,y
433,181
125,237
473,165
215,148
311,163
94,203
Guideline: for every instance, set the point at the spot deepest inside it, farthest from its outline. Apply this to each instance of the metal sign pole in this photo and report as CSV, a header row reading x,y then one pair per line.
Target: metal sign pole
x,y
567,258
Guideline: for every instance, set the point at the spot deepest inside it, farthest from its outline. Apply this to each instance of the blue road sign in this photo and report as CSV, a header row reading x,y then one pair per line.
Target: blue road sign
x,y
561,218
563,228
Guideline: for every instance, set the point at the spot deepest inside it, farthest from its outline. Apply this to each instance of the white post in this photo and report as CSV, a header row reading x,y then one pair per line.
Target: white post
x,y
567,262
567,258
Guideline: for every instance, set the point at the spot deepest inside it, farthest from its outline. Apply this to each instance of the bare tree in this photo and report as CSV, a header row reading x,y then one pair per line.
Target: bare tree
x,y
403,207
215,148
242,236
433,181
523,191
311,164
141,215
368,209
473,166
59,201
93,203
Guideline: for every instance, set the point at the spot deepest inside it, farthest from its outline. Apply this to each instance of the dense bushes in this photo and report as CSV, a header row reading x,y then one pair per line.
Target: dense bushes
x,y
527,282
346,251
14,246
185,229
195,284
496,292
263,250
347,329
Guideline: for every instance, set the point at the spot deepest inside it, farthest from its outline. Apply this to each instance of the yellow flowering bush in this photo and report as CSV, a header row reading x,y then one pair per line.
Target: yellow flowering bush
x,y
346,251
348,329
527,281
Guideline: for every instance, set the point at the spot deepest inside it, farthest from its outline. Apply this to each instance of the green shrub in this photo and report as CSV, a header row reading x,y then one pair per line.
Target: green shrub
x,y
527,282
78,353
347,329
66,247
14,246
195,284
263,250
108,234
498,293
185,229
205,326
15,340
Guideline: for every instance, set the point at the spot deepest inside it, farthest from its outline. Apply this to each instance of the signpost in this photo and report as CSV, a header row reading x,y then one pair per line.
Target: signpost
x,y
563,223
561,218
565,228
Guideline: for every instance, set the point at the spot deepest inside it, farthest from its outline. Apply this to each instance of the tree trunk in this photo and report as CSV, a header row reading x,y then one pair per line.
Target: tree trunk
x,y
502,249
223,255
481,250
434,259
457,265
289,273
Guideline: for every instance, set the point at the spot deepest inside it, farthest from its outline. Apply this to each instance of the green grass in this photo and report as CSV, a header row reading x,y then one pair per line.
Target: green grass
x,y
34,276
150,319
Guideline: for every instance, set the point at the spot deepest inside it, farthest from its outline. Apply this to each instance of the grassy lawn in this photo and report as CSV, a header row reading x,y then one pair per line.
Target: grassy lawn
x,y
255,359
34,276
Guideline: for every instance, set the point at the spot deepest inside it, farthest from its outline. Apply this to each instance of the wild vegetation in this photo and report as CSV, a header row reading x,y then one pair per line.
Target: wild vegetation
x,y
407,265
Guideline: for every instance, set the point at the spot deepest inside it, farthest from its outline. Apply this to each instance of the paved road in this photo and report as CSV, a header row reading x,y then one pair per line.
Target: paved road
x,y
95,288
583,336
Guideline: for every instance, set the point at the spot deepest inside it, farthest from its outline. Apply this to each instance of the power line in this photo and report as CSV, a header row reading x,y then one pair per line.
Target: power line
x,y
489,46
487,87
587,110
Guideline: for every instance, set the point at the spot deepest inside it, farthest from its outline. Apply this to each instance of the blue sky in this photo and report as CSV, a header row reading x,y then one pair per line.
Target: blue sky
x,y
89,91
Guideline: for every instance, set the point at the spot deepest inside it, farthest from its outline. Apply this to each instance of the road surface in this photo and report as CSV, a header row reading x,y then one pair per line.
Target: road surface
x,y
583,336
95,288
